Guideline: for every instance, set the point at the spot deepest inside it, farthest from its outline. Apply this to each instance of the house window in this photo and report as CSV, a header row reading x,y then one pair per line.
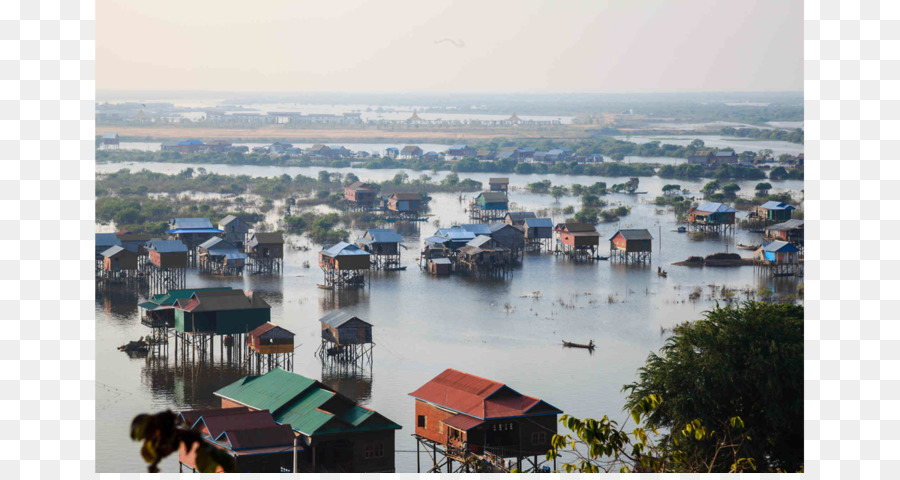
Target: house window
x,y
421,423
538,438
374,450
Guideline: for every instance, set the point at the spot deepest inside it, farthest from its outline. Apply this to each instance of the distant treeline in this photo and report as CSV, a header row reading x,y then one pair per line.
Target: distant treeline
x,y
793,136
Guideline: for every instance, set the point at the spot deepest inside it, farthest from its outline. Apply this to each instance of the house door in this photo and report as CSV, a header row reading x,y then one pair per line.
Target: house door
x,y
361,334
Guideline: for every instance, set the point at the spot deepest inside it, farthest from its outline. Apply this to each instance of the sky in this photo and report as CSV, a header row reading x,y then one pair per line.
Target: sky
x,y
614,46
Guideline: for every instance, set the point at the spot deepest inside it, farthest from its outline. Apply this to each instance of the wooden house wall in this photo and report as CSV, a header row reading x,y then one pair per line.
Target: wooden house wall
x,y
620,243
579,241
169,259
353,445
351,333
266,463
352,262
275,250
539,232
509,237
434,429
227,322
383,248
439,269
124,261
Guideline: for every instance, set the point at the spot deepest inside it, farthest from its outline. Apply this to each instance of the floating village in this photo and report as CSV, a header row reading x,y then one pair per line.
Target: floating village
x,y
272,419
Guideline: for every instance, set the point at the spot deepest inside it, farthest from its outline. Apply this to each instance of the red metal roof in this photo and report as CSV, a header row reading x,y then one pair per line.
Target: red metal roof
x,y
463,422
262,329
278,435
215,425
191,416
477,397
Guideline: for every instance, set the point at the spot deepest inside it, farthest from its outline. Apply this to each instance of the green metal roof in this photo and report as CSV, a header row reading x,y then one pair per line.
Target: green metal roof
x,y
172,296
355,415
296,400
267,392
302,413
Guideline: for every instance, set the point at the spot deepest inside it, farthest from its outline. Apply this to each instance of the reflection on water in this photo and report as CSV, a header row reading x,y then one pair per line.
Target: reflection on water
x,y
354,382
510,330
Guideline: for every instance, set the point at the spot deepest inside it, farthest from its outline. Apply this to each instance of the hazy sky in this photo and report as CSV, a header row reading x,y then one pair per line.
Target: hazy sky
x,y
441,45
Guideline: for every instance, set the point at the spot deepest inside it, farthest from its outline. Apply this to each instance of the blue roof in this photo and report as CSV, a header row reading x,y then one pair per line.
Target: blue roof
x,y
779,246
505,154
106,239
190,142
715,207
773,205
477,228
193,230
343,249
726,153
455,234
384,235
525,150
167,246
110,135
392,149
235,255
436,239
458,147
191,222
217,243
538,222
556,151
112,251
496,226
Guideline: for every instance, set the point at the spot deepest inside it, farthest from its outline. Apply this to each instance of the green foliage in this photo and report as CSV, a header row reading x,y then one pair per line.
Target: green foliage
x,y
602,446
587,215
539,187
558,191
793,136
763,188
744,361
710,188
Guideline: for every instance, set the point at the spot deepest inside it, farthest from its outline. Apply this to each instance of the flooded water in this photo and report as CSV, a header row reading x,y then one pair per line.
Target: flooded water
x,y
508,329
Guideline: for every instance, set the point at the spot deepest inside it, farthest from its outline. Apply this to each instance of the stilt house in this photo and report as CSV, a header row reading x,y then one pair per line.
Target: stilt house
x,y
337,434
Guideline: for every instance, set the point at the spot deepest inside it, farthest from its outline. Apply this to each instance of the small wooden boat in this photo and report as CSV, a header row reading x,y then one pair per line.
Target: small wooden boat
x,y
682,229
394,269
589,346
602,258
744,246
325,287
663,274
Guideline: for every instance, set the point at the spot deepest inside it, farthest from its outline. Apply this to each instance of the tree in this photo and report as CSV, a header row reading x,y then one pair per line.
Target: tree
x,y
762,188
557,192
731,190
350,178
671,189
324,176
697,143
744,361
710,188
602,446
778,173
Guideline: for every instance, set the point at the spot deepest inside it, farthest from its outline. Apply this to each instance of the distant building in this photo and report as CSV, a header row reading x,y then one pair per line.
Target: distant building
x,y
405,202
110,140
499,184
726,157
234,231
410,152
774,211
391,152
361,194
704,157
190,146
458,152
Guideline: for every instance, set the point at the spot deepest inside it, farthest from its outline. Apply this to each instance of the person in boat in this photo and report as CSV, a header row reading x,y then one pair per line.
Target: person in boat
x,y
658,269
591,344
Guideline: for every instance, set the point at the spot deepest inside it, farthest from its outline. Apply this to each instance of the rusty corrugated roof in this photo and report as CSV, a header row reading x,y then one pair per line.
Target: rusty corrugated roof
x,y
478,397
